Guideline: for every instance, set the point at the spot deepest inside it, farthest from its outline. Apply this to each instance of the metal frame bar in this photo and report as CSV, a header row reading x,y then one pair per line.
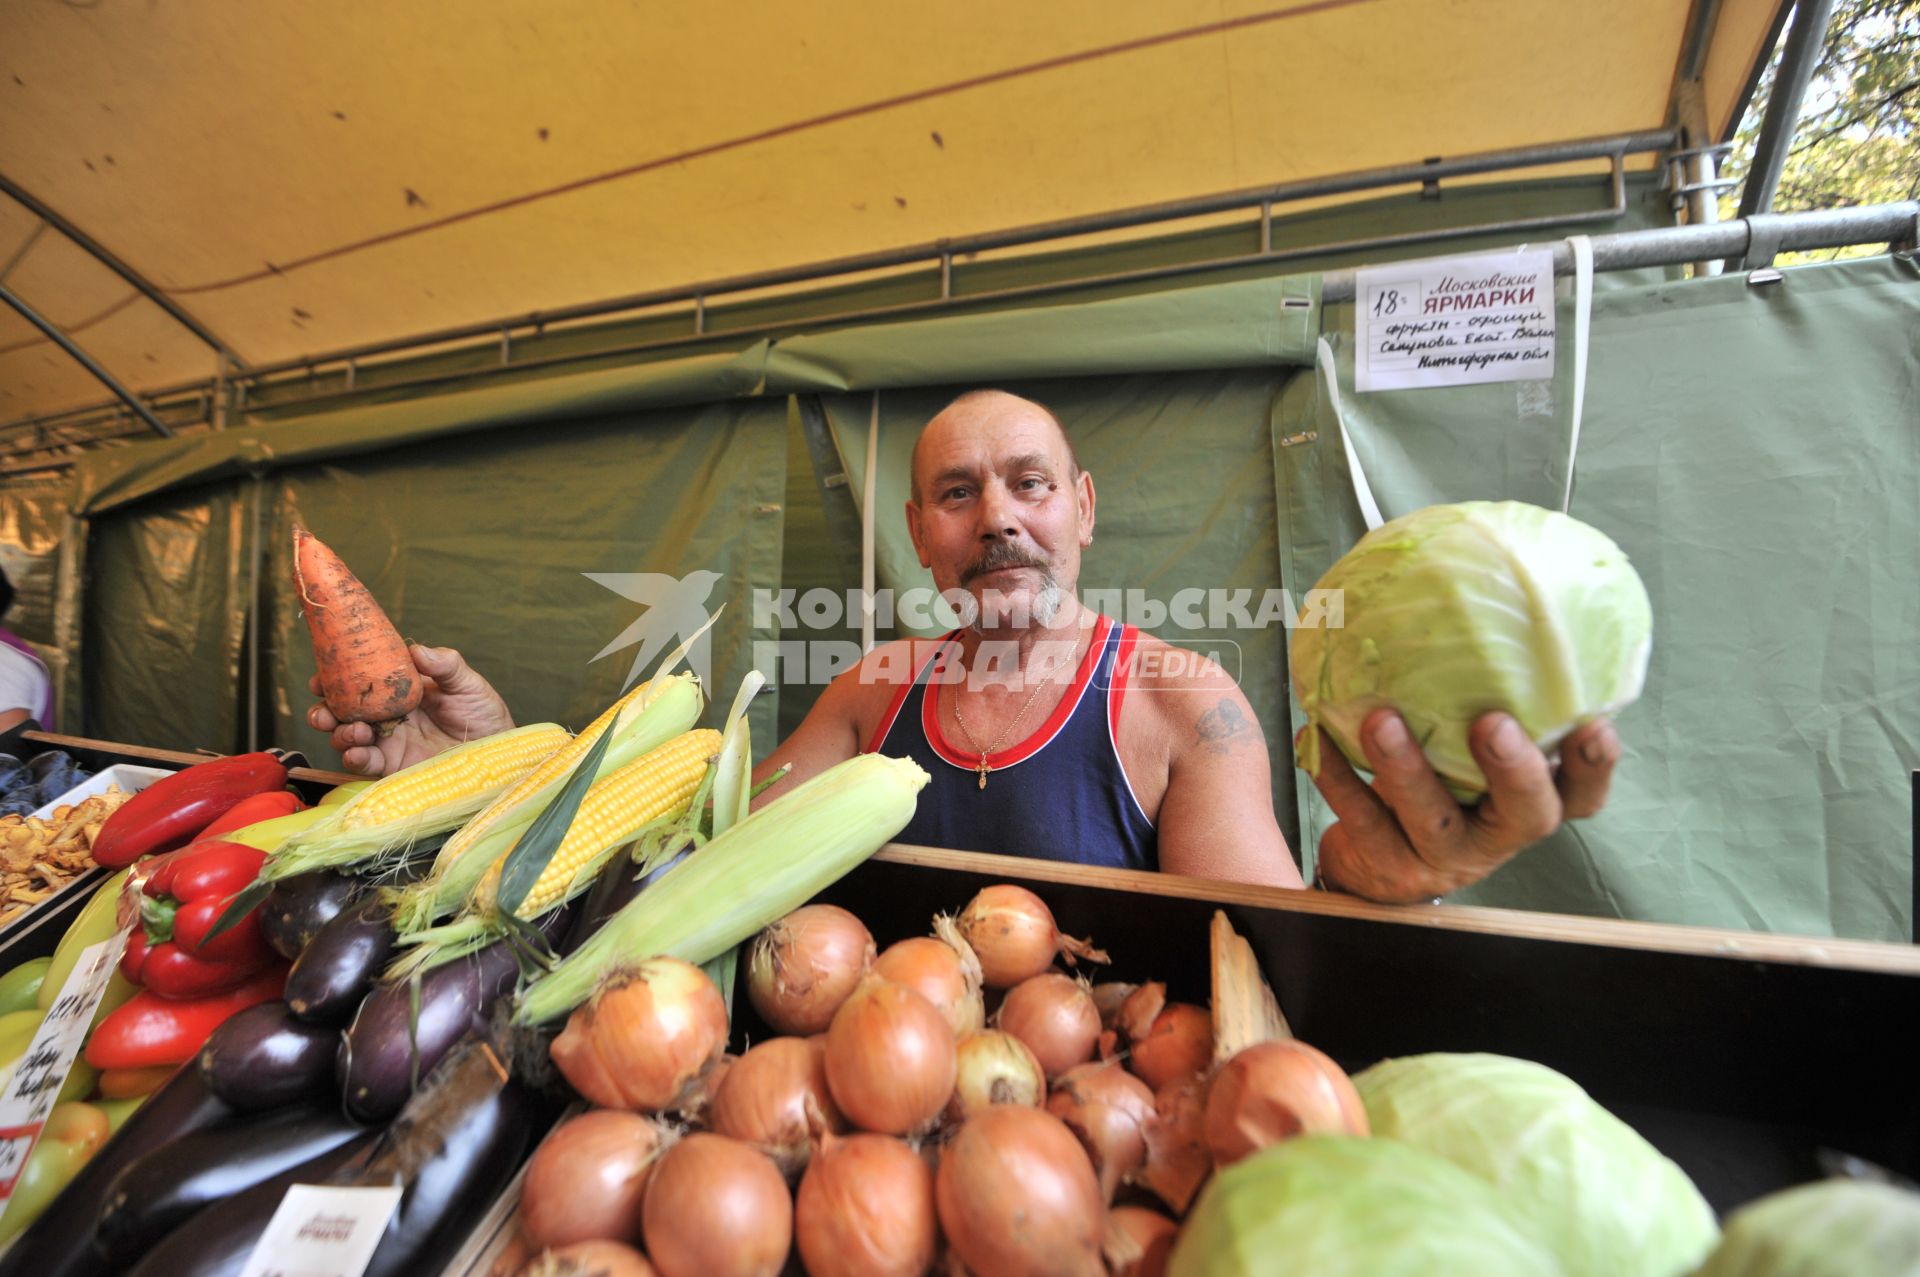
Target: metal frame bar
x,y
86,361
106,258
1804,44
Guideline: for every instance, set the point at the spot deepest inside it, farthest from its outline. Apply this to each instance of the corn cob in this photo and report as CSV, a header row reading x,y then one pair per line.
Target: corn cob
x,y
672,705
428,798
761,869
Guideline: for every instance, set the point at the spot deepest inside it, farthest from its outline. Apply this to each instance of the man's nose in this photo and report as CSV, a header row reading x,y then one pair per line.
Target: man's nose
x,y
996,515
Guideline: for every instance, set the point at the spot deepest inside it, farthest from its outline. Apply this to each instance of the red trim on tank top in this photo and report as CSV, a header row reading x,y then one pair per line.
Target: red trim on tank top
x,y
900,697
1116,692
1082,679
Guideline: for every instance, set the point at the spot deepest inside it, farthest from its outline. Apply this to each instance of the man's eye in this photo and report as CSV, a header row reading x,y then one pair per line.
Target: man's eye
x,y
954,494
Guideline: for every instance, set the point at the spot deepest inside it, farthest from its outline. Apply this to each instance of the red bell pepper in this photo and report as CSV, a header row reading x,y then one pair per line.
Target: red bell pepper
x,y
182,900
251,811
152,1030
174,809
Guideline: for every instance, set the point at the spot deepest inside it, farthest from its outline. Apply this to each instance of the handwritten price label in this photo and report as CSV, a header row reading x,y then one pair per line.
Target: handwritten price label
x,y
1455,321
323,1231
35,1085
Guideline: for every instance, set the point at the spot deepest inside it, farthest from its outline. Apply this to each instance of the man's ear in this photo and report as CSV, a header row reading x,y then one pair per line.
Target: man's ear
x,y
1083,495
913,531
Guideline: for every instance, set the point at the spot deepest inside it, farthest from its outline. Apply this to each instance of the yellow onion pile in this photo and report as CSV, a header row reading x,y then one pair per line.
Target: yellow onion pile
x,y
886,1130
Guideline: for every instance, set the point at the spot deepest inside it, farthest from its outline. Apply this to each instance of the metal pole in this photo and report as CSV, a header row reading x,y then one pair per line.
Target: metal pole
x,y
1804,44
100,253
253,620
86,361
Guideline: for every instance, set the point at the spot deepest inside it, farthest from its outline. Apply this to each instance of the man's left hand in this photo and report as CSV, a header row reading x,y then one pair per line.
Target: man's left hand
x,y
1404,838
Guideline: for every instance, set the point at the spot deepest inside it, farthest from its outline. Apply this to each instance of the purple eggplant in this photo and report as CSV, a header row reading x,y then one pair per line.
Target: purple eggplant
x,y
616,885
297,907
159,1192
388,1048
337,969
60,1242
265,1057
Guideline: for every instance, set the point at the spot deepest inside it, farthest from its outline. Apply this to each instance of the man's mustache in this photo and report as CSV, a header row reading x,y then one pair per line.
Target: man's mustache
x,y
999,557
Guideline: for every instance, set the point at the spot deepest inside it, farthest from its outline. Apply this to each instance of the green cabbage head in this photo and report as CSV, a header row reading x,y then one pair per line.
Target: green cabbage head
x,y
1581,1181
1837,1228
1456,610
1332,1206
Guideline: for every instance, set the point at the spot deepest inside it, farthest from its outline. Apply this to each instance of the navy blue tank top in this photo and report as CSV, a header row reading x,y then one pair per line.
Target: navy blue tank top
x,y
1060,794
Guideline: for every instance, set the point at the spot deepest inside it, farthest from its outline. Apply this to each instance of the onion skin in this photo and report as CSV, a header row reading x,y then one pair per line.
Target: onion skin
x,y
1274,1091
1013,934
1178,1161
804,966
1018,1197
646,1038
1055,1016
591,1259
933,969
890,1059
717,1208
1108,1110
865,1209
1178,1042
1138,1241
586,1180
1110,996
994,1067
773,1096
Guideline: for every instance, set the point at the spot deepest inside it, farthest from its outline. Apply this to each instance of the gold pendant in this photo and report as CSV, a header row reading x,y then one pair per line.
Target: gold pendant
x,y
983,769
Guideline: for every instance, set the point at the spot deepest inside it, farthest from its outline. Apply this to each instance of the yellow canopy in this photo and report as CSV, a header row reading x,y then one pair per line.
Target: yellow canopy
x,y
305,177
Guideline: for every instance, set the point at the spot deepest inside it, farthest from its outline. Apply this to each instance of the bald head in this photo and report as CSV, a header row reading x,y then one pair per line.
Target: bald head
x,y
978,409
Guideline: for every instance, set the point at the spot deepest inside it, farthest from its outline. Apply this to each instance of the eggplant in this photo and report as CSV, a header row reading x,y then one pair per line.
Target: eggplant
x,y
297,907
159,1192
616,885
264,1058
457,1141
337,969
218,1241
60,1242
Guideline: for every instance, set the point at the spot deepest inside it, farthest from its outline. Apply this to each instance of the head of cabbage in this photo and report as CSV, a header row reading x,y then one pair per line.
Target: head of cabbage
x,y
1836,1228
1457,610
1580,1181
1334,1205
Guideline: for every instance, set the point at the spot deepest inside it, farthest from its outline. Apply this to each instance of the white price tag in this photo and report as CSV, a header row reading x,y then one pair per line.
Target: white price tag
x,y
1454,321
36,1081
323,1231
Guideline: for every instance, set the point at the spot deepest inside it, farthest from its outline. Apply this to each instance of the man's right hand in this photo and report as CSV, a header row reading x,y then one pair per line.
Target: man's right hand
x,y
457,706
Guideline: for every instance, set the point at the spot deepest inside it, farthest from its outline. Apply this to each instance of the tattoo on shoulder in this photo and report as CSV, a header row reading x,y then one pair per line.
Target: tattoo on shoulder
x,y
1221,727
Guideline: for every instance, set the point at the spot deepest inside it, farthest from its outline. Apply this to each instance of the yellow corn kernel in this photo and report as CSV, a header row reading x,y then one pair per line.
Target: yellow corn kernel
x,y
460,775
658,783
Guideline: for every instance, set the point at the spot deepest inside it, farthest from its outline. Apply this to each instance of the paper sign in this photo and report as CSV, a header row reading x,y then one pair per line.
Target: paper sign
x,y
35,1085
323,1231
1454,321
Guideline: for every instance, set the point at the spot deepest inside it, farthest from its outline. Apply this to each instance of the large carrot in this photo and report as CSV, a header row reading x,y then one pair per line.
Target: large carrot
x,y
366,674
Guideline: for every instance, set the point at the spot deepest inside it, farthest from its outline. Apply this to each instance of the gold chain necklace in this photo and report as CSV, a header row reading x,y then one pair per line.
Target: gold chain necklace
x,y
983,768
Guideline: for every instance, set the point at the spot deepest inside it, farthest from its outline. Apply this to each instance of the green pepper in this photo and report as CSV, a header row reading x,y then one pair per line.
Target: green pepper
x,y
118,1111
97,921
20,987
73,1134
16,1034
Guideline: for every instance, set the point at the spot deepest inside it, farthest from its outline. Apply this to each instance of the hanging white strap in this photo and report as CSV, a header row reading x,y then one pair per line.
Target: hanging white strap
x,y
1362,490
1582,320
866,526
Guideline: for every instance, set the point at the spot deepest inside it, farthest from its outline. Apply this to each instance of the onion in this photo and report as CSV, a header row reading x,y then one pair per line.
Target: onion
x,y
586,1180
646,1037
773,1097
1017,1196
1138,1241
1178,1162
942,974
1109,1109
993,1067
1169,1040
865,1209
1274,1091
1012,931
717,1208
890,1059
803,967
1055,1016
1110,996
591,1259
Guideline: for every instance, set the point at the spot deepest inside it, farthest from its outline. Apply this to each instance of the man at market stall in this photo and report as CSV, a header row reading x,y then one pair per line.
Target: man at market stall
x,y
1051,731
